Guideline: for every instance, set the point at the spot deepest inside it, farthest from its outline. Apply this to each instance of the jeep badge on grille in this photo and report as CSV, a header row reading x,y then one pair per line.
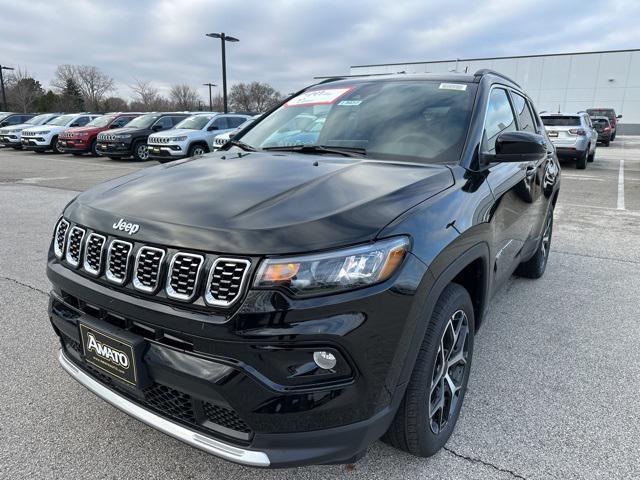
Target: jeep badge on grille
x,y
125,226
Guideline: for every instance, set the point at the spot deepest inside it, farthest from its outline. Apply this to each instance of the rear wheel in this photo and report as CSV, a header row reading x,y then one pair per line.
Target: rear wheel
x,y
431,405
581,161
94,149
536,265
592,156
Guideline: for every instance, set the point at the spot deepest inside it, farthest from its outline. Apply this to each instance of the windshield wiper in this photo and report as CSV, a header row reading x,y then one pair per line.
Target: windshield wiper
x,y
345,151
240,144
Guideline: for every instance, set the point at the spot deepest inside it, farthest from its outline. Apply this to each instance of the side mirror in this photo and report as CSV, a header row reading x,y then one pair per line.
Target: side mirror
x,y
618,116
519,147
211,128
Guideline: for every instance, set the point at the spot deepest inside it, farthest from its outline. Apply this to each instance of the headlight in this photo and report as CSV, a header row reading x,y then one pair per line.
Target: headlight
x,y
334,271
179,139
122,137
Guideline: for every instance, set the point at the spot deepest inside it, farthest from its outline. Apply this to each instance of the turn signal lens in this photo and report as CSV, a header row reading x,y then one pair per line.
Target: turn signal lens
x,y
335,271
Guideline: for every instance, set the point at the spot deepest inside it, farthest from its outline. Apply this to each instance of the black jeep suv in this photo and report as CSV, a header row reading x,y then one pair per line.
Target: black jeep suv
x,y
131,140
301,293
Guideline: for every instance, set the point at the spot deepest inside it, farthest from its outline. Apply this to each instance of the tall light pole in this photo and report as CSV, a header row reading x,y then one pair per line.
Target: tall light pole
x,y
223,38
210,97
4,97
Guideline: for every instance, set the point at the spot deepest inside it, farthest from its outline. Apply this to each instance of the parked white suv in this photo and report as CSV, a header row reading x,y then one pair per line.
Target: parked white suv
x,y
193,136
45,137
223,138
11,136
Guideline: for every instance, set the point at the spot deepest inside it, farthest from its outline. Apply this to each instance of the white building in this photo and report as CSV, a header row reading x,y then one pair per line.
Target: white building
x,y
566,81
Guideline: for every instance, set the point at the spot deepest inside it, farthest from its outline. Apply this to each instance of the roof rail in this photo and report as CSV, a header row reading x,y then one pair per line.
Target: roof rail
x,y
485,71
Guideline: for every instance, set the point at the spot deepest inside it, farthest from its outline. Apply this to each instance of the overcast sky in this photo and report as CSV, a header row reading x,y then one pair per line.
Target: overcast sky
x,y
286,43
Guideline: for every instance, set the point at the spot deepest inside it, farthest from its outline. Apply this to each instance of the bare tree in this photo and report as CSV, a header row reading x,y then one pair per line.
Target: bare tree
x,y
146,96
92,83
254,96
184,97
115,104
23,91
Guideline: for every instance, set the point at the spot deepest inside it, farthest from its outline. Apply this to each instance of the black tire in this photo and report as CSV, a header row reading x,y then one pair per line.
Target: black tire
x,y
536,265
197,149
581,161
613,136
114,158
607,143
93,150
76,154
140,151
54,145
592,156
412,429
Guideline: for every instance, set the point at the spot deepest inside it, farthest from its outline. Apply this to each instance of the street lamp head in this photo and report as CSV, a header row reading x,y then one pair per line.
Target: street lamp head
x,y
7,68
231,39
213,35
222,35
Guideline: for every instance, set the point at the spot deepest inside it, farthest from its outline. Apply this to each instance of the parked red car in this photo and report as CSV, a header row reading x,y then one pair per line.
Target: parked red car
x,y
80,140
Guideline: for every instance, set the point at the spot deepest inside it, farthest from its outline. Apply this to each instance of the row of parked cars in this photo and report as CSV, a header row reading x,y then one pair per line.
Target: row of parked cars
x,y
576,135
163,136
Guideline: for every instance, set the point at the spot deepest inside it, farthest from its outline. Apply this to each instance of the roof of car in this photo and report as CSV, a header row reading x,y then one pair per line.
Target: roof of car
x,y
560,114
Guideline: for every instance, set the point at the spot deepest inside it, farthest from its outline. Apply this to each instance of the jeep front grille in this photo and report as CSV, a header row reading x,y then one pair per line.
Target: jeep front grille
x,y
147,269
74,246
226,281
118,261
183,275
60,237
158,140
93,253
106,138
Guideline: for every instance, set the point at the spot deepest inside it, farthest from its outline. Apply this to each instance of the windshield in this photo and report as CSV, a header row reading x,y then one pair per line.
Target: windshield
x,y
63,120
600,121
144,121
559,121
4,115
196,122
100,121
601,112
37,120
418,120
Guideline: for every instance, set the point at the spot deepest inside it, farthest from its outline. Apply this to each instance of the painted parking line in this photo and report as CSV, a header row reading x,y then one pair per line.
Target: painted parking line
x,y
621,186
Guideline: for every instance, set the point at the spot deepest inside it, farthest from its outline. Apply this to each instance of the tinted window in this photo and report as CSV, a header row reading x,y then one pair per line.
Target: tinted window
x,y
234,122
164,123
525,119
220,122
414,120
82,121
600,122
561,121
499,119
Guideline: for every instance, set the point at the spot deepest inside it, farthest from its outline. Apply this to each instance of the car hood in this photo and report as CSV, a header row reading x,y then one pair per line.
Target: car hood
x,y
260,203
119,131
20,126
173,132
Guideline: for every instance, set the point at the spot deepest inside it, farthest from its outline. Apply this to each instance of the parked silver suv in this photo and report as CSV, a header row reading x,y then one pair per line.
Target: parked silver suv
x,y
573,135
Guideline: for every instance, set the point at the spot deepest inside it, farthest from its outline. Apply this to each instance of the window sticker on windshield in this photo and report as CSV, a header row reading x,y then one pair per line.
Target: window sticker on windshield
x,y
350,103
318,97
453,86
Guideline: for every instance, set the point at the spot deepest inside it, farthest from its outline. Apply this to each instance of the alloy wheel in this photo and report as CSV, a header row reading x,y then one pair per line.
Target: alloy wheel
x,y
143,152
449,371
198,151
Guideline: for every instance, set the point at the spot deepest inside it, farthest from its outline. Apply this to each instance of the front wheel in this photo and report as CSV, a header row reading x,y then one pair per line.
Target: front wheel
x,y
94,149
197,150
431,405
54,145
141,152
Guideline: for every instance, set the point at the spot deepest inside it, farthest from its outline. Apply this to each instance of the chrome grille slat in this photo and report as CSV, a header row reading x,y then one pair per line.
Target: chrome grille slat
x,y
182,278
226,281
148,268
74,246
118,261
60,237
93,251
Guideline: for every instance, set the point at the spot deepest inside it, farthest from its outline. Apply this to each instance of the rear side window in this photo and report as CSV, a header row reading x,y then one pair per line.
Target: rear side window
x,y
234,122
220,122
525,119
561,121
499,119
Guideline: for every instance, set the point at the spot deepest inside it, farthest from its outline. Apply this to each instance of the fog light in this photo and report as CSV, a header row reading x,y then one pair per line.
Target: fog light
x,y
324,360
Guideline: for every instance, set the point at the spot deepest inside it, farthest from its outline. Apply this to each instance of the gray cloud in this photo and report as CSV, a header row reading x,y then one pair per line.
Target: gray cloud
x,y
287,42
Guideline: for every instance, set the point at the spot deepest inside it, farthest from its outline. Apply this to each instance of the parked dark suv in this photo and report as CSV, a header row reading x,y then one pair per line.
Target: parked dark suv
x,y
281,305
80,140
131,140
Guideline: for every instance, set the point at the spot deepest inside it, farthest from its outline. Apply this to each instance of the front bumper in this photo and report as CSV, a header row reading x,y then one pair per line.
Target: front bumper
x,y
233,363
167,151
35,143
114,149
11,140
74,145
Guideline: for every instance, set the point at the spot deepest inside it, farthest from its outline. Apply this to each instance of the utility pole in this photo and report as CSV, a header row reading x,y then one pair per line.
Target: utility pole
x,y
4,96
223,39
210,97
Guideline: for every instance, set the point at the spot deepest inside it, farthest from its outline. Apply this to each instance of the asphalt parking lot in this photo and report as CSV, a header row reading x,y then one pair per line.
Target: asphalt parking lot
x,y
554,383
